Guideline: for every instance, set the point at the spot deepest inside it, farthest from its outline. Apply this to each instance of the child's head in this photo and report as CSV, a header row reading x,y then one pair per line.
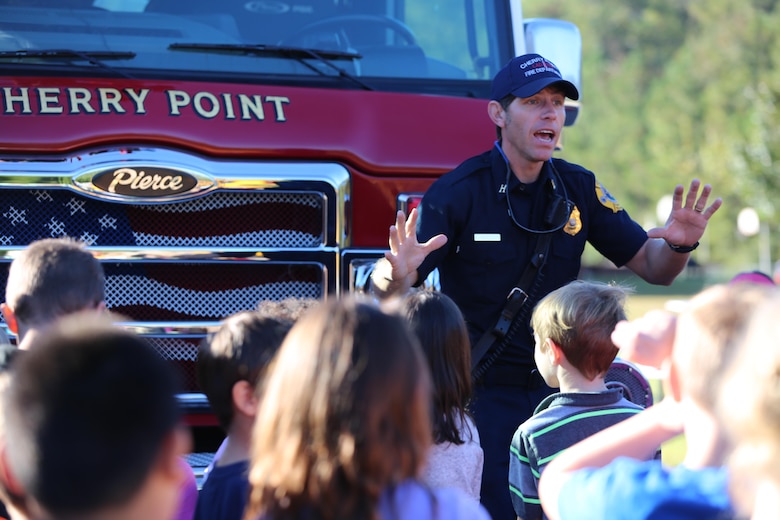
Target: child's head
x,y
344,413
439,325
238,351
579,318
707,334
749,404
92,422
52,277
290,308
757,277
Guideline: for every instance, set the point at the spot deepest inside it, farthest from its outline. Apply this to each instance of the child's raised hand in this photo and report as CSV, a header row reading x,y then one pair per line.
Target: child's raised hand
x,y
647,340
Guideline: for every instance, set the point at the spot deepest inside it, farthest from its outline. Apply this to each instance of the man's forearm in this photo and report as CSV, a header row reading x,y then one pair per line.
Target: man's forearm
x,y
656,263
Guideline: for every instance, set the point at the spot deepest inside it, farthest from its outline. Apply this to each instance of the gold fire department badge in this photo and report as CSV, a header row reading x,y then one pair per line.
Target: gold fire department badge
x,y
574,224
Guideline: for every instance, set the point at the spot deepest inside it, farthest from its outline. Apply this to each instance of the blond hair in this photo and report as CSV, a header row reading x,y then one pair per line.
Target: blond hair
x,y
708,332
749,404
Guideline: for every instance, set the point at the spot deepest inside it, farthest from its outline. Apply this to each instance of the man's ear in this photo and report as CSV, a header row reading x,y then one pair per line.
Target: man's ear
x,y
10,318
244,398
496,113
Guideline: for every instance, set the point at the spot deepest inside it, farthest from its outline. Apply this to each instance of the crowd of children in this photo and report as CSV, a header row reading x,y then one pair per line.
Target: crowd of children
x,y
352,409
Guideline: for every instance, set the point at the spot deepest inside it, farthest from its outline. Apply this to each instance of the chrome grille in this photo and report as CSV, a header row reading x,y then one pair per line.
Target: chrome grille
x,y
183,354
182,291
277,219
254,231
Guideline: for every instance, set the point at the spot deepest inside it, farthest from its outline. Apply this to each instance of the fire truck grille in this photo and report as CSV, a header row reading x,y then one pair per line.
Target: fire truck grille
x,y
183,355
204,292
201,292
174,268
252,219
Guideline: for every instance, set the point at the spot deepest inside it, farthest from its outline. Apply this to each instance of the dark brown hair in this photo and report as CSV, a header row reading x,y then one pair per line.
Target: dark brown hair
x,y
439,325
239,350
51,278
504,102
343,416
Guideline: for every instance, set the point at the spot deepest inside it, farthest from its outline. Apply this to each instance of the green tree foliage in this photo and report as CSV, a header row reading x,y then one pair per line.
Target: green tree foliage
x,y
677,89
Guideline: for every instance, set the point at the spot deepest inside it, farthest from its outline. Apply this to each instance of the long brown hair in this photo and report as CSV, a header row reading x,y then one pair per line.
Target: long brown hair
x,y
439,325
344,415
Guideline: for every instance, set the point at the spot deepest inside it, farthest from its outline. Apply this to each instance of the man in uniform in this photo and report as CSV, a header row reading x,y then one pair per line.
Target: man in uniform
x,y
483,223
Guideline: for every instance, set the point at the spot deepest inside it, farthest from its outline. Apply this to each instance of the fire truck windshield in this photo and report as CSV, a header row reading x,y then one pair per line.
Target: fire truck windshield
x,y
403,45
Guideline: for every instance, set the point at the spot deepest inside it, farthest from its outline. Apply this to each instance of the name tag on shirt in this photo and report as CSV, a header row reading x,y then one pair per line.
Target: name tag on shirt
x,y
487,237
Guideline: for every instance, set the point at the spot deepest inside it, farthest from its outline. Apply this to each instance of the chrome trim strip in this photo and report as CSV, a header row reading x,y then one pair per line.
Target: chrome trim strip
x,y
166,329
193,400
141,254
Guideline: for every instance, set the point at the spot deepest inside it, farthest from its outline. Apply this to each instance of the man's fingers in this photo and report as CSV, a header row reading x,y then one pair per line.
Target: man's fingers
x,y
693,193
394,240
400,218
712,208
411,222
434,243
677,197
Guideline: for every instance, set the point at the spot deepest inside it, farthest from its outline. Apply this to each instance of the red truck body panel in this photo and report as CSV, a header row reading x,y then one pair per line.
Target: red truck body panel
x,y
368,132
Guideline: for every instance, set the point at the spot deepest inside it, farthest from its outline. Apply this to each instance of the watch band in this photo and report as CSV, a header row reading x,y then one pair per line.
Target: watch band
x,y
682,249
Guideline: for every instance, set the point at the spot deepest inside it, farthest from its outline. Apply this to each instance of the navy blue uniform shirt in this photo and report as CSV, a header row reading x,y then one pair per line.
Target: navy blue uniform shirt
x,y
486,251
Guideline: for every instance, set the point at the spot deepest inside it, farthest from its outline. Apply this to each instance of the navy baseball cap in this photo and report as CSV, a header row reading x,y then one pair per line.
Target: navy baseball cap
x,y
526,75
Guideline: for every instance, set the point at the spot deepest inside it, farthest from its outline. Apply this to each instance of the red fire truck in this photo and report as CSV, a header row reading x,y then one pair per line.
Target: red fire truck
x,y
217,153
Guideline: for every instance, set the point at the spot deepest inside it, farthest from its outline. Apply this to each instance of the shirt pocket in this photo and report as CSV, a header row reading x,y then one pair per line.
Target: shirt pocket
x,y
490,268
488,252
565,256
567,248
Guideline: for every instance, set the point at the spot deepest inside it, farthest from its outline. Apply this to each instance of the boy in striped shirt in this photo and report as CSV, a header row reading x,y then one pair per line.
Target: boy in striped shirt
x,y
573,351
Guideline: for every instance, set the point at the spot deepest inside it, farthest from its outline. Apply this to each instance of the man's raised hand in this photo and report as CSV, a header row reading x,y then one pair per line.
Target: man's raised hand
x,y
397,271
406,253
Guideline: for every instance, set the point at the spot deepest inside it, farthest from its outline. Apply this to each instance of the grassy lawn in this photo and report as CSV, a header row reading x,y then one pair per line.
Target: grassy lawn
x,y
672,451
639,304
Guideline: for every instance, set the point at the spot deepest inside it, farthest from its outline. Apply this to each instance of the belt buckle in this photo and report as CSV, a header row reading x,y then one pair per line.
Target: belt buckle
x,y
515,291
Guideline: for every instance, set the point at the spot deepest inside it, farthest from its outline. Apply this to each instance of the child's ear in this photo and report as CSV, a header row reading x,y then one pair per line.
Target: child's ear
x,y
7,478
553,351
10,318
176,444
244,398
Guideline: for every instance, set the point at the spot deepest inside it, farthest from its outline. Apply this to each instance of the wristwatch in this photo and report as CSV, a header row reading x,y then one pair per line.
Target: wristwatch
x,y
682,249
